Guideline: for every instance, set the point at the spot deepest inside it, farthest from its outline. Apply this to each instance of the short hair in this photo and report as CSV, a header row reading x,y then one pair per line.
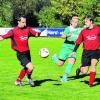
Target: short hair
x,y
19,17
90,17
74,17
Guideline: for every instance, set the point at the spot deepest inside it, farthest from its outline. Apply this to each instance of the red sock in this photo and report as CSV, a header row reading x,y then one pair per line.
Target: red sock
x,y
22,74
92,78
29,73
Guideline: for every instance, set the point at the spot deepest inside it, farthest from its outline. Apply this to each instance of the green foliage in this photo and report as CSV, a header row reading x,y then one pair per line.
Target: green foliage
x,y
67,8
5,13
51,13
47,18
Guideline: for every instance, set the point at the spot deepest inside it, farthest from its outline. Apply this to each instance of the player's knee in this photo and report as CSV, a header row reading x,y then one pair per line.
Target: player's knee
x,y
94,62
60,63
71,60
29,66
84,71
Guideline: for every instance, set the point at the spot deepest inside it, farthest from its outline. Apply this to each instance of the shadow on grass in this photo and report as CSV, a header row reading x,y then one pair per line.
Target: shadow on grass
x,y
57,84
39,82
76,77
97,82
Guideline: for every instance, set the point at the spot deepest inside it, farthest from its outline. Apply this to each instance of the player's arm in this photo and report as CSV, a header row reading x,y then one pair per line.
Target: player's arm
x,y
65,36
34,33
1,38
66,33
6,36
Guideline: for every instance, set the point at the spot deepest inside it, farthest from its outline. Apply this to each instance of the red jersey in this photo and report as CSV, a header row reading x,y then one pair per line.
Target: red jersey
x,y
19,38
90,38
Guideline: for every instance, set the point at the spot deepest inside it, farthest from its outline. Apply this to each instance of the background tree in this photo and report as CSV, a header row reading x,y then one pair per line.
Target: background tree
x,y
51,13
28,8
63,10
5,13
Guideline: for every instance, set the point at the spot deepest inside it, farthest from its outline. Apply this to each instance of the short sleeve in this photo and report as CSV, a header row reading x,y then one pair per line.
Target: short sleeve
x,y
66,31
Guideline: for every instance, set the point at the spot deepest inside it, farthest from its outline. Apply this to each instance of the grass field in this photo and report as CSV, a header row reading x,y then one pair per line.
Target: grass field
x,y
46,75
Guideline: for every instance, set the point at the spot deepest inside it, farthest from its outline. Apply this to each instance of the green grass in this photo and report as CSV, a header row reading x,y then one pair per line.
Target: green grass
x,y
46,75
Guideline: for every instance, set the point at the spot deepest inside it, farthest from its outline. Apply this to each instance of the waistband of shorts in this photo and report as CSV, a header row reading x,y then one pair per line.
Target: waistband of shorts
x,y
23,51
91,50
69,42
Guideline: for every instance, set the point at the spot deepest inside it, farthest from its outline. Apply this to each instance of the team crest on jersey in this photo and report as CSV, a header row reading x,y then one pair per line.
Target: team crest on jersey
x,y
23,38
91,37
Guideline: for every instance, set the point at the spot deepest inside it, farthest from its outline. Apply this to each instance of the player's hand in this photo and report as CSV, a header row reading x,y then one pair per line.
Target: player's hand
x,y
38,34
70,34
1,38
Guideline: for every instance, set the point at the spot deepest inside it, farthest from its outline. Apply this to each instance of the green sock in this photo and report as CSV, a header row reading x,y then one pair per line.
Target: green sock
x,y
54,58
68,68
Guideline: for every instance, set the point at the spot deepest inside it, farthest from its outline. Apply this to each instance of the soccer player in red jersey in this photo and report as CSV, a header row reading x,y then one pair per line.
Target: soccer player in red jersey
x,y
91,53
19,41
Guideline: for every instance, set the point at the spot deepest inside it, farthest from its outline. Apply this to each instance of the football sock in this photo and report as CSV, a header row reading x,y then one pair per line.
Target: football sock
x,y
68,68
67,72
64,78
22,74
54,58
92,78
29,73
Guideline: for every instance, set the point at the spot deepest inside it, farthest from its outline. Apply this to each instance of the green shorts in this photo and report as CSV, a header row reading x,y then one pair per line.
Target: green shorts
x,y
65,51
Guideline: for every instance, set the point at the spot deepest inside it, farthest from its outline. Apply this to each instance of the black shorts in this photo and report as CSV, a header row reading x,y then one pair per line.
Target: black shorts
x,y
87,55
24,57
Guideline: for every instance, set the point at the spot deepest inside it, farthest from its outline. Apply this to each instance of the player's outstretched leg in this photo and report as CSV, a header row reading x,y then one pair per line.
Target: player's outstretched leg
x,y
54,58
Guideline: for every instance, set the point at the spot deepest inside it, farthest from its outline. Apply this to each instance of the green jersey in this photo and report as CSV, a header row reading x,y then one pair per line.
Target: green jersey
x,y
67,48
74,31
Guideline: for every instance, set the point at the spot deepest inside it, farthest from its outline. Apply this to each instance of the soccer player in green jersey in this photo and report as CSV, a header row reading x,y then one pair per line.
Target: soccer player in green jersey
x,y
70,35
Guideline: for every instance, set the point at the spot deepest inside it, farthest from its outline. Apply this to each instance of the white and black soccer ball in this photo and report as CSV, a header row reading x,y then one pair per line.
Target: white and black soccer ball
x,y
44,52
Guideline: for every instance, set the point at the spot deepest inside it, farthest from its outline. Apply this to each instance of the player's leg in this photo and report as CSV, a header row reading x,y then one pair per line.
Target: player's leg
x,y
22,72
28,67
78,70
86,61
58,61
68,67
94,61
62,56
29,71
82,69
55,58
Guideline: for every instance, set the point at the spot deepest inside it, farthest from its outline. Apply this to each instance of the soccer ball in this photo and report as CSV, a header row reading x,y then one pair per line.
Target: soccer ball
x,y
44,52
